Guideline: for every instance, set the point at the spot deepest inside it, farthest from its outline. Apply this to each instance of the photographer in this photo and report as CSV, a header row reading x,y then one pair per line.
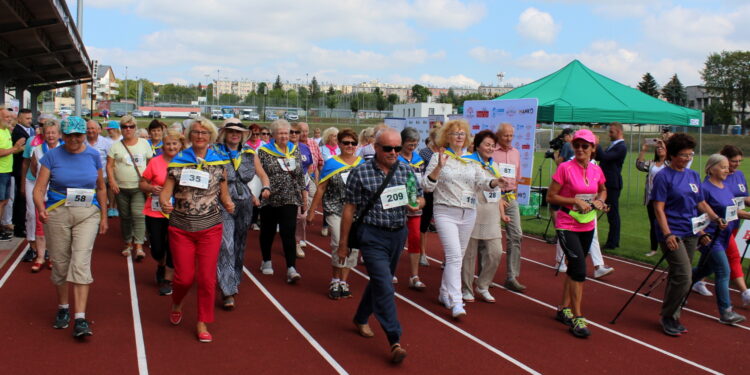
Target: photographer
x,y
561,145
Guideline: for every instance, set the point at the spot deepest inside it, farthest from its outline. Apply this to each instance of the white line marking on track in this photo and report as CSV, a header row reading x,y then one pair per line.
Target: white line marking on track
x,y
445,322
140,346
13,266
327,356
629,338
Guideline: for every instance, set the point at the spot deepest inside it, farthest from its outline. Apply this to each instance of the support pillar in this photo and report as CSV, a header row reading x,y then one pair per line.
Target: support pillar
x,y
34,96
20,89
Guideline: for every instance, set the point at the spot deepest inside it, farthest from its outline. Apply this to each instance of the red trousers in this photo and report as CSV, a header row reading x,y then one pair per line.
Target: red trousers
x,y
733,257
412,224
194,255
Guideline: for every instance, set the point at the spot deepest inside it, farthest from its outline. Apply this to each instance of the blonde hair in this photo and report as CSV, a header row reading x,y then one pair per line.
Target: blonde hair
x,y
713,161
174,134
128,119
51,124
450,127
277,124
332,131
204,123
365,135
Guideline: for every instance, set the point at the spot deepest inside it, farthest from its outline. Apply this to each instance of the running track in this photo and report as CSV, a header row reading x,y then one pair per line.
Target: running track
x,y
277,328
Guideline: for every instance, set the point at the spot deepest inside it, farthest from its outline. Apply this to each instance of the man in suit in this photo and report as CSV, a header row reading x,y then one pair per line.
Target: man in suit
x,y
611,160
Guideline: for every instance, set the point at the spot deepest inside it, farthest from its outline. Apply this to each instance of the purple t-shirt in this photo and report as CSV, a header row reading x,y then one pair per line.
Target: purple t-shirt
x,y
719,199
681,192
737,184
305,155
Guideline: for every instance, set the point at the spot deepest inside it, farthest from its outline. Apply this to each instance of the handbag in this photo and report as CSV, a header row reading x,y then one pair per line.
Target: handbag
x,y
353,238
137,171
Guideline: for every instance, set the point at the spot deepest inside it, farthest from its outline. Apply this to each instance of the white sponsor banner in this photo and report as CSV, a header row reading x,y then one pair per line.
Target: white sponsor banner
x,y
422,125
521,113
397,123
743,235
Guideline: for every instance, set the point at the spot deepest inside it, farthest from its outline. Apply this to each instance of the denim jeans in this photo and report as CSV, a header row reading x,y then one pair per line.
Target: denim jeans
x,y
715,262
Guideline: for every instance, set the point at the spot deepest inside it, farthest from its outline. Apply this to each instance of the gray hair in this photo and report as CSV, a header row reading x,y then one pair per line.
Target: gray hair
x,y
332,131
409,134
383,131
278,124
712,161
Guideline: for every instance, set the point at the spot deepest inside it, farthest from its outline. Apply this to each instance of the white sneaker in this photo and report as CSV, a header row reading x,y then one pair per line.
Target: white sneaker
x,y
300,252
292,275
457,311
700,288
394,280
303,244
563,268
266,268
467,296
255,227
746,298
443,301
602,271
485,296
324,232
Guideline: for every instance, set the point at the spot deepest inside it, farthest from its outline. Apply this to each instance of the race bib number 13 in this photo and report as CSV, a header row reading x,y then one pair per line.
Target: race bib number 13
x,y
195,178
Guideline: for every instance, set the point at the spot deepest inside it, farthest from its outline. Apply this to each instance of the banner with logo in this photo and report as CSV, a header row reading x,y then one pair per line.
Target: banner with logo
x,y
743,237
521,113
422,125
397,123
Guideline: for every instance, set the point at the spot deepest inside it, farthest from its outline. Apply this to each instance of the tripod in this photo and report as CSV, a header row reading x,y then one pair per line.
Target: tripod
x,y
545,237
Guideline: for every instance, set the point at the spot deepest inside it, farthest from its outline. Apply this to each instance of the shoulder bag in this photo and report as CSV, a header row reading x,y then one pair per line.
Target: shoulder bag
x,y
353,238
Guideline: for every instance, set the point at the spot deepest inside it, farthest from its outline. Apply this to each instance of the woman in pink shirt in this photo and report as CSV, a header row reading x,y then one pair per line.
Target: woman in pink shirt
x,y
577,186
157,222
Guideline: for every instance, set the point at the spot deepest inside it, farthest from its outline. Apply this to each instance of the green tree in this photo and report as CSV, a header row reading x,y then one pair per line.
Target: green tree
x,y
354,104
332,100
229,99
210,93
674,92
718,114
393,99
174,93
262,88
648,85
420,93
277,85
727,75
381,103
315,92
304,98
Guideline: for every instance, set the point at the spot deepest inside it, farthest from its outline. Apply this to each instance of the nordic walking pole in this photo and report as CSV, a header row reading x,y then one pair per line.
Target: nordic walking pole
x,y
654,284
557,270
639,288
702,261
747,244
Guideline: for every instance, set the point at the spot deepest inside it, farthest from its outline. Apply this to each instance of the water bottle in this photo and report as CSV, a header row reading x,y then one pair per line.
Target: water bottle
x,y
411,189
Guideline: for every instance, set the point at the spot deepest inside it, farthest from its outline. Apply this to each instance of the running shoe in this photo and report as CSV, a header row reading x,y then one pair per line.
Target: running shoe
x,y
292,276
746,297
334,290
728,316
680,327
81,328
416,283
5,236
467,296
303,243
700,288
300,252
394,280
565,316
485,295
324,232
514,285
165,288
29,256
255,227
266,268
62,319
345,293
457,311
669,326
579,329
602,271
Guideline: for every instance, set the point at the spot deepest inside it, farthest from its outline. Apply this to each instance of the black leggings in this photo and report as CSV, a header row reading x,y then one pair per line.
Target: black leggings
x,y
424,224
652,221
575,246
286,218
156,228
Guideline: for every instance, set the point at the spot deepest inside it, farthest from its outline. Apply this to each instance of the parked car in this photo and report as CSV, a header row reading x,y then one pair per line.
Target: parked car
x,y
119,113
193,115
289,116
255,116
154,114
65,111
85,112
271,116
138,113
217,115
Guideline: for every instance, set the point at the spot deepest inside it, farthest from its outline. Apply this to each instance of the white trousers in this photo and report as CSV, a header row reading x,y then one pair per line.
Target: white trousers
x,y
454,226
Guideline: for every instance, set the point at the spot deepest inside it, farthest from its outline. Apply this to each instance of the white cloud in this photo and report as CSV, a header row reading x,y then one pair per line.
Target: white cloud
x,y
458,80
488,55
537,25
433,13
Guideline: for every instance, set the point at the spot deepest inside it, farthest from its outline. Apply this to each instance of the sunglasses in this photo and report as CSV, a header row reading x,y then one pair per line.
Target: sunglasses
x,y
256,134
349,143
582,146
265,133
294,132
390,148
127,126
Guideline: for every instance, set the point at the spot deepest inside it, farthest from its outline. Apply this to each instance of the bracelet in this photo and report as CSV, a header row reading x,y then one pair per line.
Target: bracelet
x,y
666,236
265,188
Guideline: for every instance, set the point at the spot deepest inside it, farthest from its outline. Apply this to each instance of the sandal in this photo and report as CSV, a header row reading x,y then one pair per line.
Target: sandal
x,y
415,283
37,266
397,353
126,251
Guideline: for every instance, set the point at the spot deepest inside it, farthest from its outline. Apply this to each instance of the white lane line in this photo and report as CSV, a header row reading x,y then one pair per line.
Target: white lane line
x,y
13,266
639,294
445,322
632,263
327,356
140,345
603,327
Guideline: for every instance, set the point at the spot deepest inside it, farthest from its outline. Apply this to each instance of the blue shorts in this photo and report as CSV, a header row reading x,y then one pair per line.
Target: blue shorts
x,y
5,186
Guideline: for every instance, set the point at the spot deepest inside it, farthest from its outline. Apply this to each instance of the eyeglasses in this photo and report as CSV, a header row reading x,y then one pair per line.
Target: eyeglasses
x,y
458,134
390,148
582,146
294,132
349,143
265,133
686,155
199,132
256,134
127,126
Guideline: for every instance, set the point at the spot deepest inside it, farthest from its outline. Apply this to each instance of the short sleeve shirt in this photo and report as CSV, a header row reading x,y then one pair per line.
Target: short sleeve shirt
x,y
576,181
102,145
737,184
719,199
68,170
155,174
566,152
124,171
681,192
6,162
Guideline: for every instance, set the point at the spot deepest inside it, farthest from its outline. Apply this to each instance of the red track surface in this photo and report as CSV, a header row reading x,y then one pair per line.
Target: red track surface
x,y
518,334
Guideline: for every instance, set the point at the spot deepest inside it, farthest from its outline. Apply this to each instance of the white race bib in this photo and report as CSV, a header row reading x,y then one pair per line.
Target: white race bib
x,y
588,198
155,205
468,199
345,176
700,223
731,214
195,178
255,186
740,202
394,196
507,170
492,196
137,158
287,164
80,197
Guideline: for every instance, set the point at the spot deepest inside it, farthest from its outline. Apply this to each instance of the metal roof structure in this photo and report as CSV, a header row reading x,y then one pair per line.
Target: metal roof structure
x,y
40,48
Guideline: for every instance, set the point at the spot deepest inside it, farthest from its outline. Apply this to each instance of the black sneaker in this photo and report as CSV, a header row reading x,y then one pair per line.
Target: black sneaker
x,y
334,291
669,326
62,319
579,329
165,288
565,316
160,271
82,328
6,236
679,326
29,256
345,293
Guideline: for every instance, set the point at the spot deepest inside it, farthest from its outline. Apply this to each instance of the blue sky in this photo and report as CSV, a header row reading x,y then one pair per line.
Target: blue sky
x,y
433,42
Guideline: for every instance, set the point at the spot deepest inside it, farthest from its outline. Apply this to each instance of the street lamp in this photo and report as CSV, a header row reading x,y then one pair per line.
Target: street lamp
x,y
307,105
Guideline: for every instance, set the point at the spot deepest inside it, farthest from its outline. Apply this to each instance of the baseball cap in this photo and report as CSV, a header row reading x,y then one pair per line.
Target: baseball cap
x,y
586,135
73,125
113,124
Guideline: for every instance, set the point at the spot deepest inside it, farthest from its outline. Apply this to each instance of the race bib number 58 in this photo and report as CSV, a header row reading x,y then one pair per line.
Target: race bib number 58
x,y
80,197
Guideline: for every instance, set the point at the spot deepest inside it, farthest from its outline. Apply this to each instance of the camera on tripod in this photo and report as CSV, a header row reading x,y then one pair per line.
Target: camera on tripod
x,y
557,143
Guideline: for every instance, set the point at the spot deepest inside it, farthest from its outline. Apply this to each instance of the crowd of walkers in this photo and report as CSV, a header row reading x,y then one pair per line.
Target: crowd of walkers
x,y
190,193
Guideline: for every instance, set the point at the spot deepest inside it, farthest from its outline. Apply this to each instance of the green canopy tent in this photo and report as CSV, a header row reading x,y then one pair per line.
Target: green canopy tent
x,y
577,94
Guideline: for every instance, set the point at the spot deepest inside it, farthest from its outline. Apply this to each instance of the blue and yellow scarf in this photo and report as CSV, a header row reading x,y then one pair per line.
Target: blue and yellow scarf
x,y
452,154
336,165
187,158
234,155
157,149
487,165
416,160
271,148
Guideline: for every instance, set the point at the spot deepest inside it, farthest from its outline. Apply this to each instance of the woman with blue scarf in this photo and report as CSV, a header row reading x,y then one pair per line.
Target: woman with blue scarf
x,y
408,156
156,130
197,181
240,170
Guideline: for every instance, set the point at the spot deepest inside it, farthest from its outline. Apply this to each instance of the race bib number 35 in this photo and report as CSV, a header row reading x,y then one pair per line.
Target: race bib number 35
x,y
195,178
394,197
80,197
